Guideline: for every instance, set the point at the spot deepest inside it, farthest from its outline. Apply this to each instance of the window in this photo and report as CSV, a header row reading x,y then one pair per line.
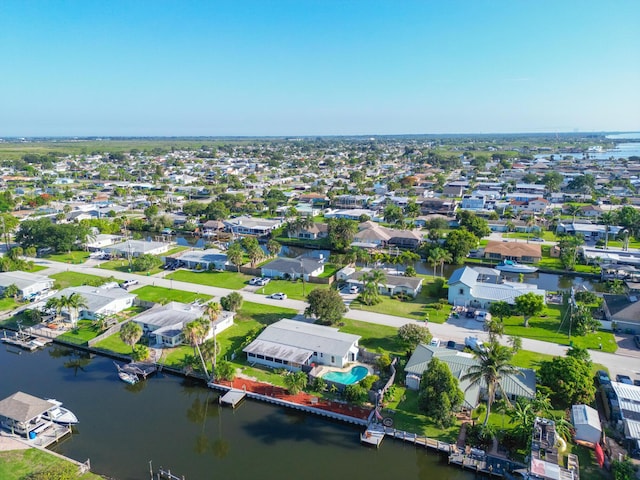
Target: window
x,y
333,359
461,291
261,357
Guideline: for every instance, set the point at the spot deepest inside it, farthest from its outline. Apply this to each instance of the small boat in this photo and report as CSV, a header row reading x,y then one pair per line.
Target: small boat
x,y
127,377
511,266
59,414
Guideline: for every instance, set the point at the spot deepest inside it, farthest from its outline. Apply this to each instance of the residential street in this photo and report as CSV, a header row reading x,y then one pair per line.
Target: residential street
x,y
625,361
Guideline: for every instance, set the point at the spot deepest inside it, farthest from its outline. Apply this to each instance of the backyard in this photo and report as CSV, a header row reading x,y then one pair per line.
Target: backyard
x,y
21,464
122,265
164,295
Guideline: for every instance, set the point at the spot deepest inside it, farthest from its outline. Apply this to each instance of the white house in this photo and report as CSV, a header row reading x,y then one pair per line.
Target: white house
x,y
301,267
208,259
392,284
101,301
587,423
163,324
291,344
479,287
29,285
135,248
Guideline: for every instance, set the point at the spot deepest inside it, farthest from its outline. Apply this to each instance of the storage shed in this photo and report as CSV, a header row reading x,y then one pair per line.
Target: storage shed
x,y
587,423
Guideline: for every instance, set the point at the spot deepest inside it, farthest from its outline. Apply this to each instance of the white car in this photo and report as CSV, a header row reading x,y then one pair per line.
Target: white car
x,y
354,289
261,282
255,280
278,296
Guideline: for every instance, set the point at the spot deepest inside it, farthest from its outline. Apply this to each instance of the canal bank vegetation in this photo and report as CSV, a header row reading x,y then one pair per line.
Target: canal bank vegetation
x,y
34,464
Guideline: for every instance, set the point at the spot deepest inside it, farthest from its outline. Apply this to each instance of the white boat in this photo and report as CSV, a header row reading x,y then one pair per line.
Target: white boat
x,y
511,266
59,414
127,377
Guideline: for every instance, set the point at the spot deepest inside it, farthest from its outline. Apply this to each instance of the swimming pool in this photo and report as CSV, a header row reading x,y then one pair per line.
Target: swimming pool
x,y
347,378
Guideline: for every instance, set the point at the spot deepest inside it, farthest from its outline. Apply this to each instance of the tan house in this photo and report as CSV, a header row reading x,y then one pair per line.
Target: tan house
x,y
518,251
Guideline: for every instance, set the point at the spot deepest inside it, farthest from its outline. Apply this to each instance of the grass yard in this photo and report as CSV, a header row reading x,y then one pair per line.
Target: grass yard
x,y
529,359
293,290
75,256
7,304
81,335
375,338
114,344
164,295
75,279
329,270
547,328
175,250
35,268
122,265
425,305
546,235
21,464
232,280
404,411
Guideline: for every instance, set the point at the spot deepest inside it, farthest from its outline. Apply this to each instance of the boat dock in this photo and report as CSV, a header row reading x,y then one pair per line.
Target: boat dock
x,y
372,436
233,397
25,340
141,369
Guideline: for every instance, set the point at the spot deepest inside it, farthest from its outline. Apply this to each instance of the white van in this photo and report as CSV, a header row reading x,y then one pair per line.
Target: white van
x,y
435,342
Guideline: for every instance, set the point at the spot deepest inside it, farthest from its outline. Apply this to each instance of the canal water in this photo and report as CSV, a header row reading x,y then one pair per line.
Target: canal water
x,y
178,424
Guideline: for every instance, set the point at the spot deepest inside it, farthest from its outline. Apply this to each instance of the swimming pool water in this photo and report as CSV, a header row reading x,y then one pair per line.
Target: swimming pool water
x,y
347,378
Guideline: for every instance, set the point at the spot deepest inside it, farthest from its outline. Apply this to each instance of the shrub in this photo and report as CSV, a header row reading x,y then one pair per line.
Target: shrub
x,y
383,362
231,302
140,352
355,393
368,381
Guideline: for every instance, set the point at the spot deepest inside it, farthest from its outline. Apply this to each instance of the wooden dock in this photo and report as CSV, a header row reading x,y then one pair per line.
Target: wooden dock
x,y
372,436
233,397
25,341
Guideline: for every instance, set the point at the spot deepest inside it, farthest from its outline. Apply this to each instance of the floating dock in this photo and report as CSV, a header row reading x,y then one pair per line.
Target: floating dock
x,y
233,397
372,436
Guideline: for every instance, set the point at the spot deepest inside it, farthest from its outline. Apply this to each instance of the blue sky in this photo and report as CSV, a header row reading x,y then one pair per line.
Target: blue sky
x,y
317,67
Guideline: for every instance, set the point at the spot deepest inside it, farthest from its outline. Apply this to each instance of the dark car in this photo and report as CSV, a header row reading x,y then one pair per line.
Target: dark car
x,y
636,339
451,344
624,379
636,382
603,377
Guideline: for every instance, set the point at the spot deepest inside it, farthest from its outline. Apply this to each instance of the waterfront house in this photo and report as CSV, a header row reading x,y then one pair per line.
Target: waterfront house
x,y
208,259
375,236
622,309
30,285
547,463
246,225
291,344
21,413
135,248
520,251
479,287
102,301
514,386
314,232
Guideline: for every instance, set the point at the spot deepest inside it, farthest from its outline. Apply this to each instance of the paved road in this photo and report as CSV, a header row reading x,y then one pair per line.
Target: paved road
x,y
625,361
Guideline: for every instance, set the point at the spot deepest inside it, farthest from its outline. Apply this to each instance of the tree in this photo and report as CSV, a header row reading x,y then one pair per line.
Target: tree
x,y
232,302
74,303
56,304
235,254
145,262
130,333
607,219
623,469
569,250
582,319
474,224
341,232
568,379
253,249
150,212
412,334
529,305
552,181
439,393
500,309
11,291
295,382
326,305
371,289
195,332
224,371
493,365
573,210
459,243
273,247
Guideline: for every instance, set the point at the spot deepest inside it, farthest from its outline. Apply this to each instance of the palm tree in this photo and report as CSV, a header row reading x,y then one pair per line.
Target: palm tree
x,y
74,303
445,257
194,332
56,304
212,310
130,333
434,259
607,219
493,364
574,210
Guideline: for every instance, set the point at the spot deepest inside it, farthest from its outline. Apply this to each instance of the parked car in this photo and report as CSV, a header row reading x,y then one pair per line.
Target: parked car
x,y
537,239
636,339
624,379
354,289
435,342
128,283
603,377
261,282
636,382
254,280
474,343
278,296
451,344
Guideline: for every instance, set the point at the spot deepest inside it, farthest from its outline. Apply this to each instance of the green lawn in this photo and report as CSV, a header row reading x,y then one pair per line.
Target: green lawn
x,y
231,280
425,305
547,328
35,268
122,265
297,290
21,464
375,338
529,359
75,256
164,295
329,270
7,304
175,250
75,279
114,344
404,411
81,335
544,234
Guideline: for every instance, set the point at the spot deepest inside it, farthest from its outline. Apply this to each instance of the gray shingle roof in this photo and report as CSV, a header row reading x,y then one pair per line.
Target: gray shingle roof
x,y
23,407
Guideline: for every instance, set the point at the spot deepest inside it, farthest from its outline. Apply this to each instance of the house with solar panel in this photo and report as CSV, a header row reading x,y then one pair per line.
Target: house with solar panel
x,y
514,386
479,287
